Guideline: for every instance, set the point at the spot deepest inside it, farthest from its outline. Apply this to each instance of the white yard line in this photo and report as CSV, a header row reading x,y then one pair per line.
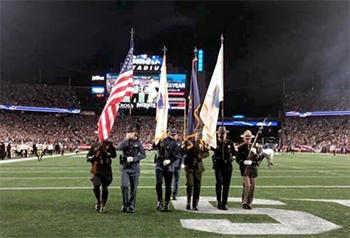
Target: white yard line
x,y
152,187
153,177
33,158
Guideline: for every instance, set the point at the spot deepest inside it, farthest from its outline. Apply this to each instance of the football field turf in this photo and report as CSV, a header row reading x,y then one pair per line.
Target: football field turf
x,y
303,195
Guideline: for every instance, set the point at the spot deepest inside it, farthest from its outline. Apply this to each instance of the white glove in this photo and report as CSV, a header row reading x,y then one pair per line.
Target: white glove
x,y
253,150
247,162
166,162
130,159
182,166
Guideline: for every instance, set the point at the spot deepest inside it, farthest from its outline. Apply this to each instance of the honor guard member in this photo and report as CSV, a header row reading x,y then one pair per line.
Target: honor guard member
x,y
249,174
168,153
102,157
222,164
177,169
2,150
132,153
194,167
8,150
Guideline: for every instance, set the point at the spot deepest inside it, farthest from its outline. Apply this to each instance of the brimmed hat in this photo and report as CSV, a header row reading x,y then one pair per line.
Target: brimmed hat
x,y
247,134
172,131
222,129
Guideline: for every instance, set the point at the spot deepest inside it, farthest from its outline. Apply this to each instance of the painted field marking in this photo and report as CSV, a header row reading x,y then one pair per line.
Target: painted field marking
x,y
343,202
33,158
146,187
288,222
182,177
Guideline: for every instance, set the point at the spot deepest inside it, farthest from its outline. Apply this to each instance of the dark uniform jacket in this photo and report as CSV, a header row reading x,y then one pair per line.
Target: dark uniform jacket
x,y
226,162
103,157
167,149
193,157
134,149
2,150
242,155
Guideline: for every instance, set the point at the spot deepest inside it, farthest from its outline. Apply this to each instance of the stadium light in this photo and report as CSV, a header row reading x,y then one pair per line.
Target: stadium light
x,y
200,60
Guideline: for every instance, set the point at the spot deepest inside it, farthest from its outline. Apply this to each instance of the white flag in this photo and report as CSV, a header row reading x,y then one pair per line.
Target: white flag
x,y
162,104
215,94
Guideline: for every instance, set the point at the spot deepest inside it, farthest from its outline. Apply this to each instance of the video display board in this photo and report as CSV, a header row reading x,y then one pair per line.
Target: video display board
x,y
145,91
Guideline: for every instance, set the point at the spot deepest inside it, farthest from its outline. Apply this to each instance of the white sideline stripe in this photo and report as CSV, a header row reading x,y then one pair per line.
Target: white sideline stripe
x,y
153,172
69,188
33,158
182,177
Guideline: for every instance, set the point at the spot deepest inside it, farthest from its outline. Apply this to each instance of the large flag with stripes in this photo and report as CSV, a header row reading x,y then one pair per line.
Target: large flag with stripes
x,y
122,88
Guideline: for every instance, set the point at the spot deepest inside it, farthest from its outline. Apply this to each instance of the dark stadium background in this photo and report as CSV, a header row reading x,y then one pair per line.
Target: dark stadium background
x,y
269,46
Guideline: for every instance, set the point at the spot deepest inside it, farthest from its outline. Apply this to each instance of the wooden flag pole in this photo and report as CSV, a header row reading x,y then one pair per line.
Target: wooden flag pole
x,y
184,131
222,107
132,32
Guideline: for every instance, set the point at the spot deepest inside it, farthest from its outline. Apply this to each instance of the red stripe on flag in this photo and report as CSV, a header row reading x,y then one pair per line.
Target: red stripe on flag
x,y
113,104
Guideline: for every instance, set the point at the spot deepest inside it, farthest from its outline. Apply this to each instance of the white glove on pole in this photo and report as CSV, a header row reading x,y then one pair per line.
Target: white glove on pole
x,y
247,162
253,150
130,159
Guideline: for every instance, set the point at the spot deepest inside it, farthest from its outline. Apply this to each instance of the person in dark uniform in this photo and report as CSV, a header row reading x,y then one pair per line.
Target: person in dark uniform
x,y
2,150
94,146
194,167
35,151
8,150
132,153
177,170
223,167
102,157
168,153
248,160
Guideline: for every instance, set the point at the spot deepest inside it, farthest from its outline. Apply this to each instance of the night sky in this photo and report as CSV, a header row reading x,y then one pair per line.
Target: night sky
x,y
265,43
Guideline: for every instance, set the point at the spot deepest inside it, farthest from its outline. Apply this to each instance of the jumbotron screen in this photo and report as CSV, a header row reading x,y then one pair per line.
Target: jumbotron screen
x,y
145,91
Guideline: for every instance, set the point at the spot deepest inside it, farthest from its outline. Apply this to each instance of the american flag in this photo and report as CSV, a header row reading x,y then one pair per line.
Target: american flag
x,y
122,87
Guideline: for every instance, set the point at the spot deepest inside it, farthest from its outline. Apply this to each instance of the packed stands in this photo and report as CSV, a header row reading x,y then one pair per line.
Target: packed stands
x,y
39,95
317,100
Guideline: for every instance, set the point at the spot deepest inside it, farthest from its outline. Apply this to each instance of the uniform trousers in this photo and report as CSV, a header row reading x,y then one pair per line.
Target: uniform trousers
x,y
129,177
193,185
223,180
168,176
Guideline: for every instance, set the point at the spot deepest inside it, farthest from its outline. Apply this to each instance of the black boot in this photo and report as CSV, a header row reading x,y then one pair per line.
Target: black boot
x,y
166,207
218,205
124,208
96,191
104,201
159,205
125,192
189,194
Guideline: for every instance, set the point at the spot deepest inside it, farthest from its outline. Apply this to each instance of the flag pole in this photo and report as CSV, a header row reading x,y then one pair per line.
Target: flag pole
x,y
222,103
184,131
132,32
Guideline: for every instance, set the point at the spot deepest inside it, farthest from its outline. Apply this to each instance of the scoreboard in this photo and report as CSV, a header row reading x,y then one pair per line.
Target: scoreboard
x,y
145,91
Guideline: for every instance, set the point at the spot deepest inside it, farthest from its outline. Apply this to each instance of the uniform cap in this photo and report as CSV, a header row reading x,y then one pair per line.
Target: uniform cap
x,y
247,134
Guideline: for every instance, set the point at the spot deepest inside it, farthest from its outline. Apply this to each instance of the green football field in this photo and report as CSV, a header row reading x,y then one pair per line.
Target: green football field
x,y
303,195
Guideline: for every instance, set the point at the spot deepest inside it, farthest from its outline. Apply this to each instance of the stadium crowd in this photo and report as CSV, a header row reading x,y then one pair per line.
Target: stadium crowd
x,y
317,100
27,128
324,134
39,95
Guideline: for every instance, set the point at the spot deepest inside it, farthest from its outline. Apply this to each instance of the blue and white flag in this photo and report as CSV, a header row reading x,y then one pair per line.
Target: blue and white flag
x,y
215,94
162,104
